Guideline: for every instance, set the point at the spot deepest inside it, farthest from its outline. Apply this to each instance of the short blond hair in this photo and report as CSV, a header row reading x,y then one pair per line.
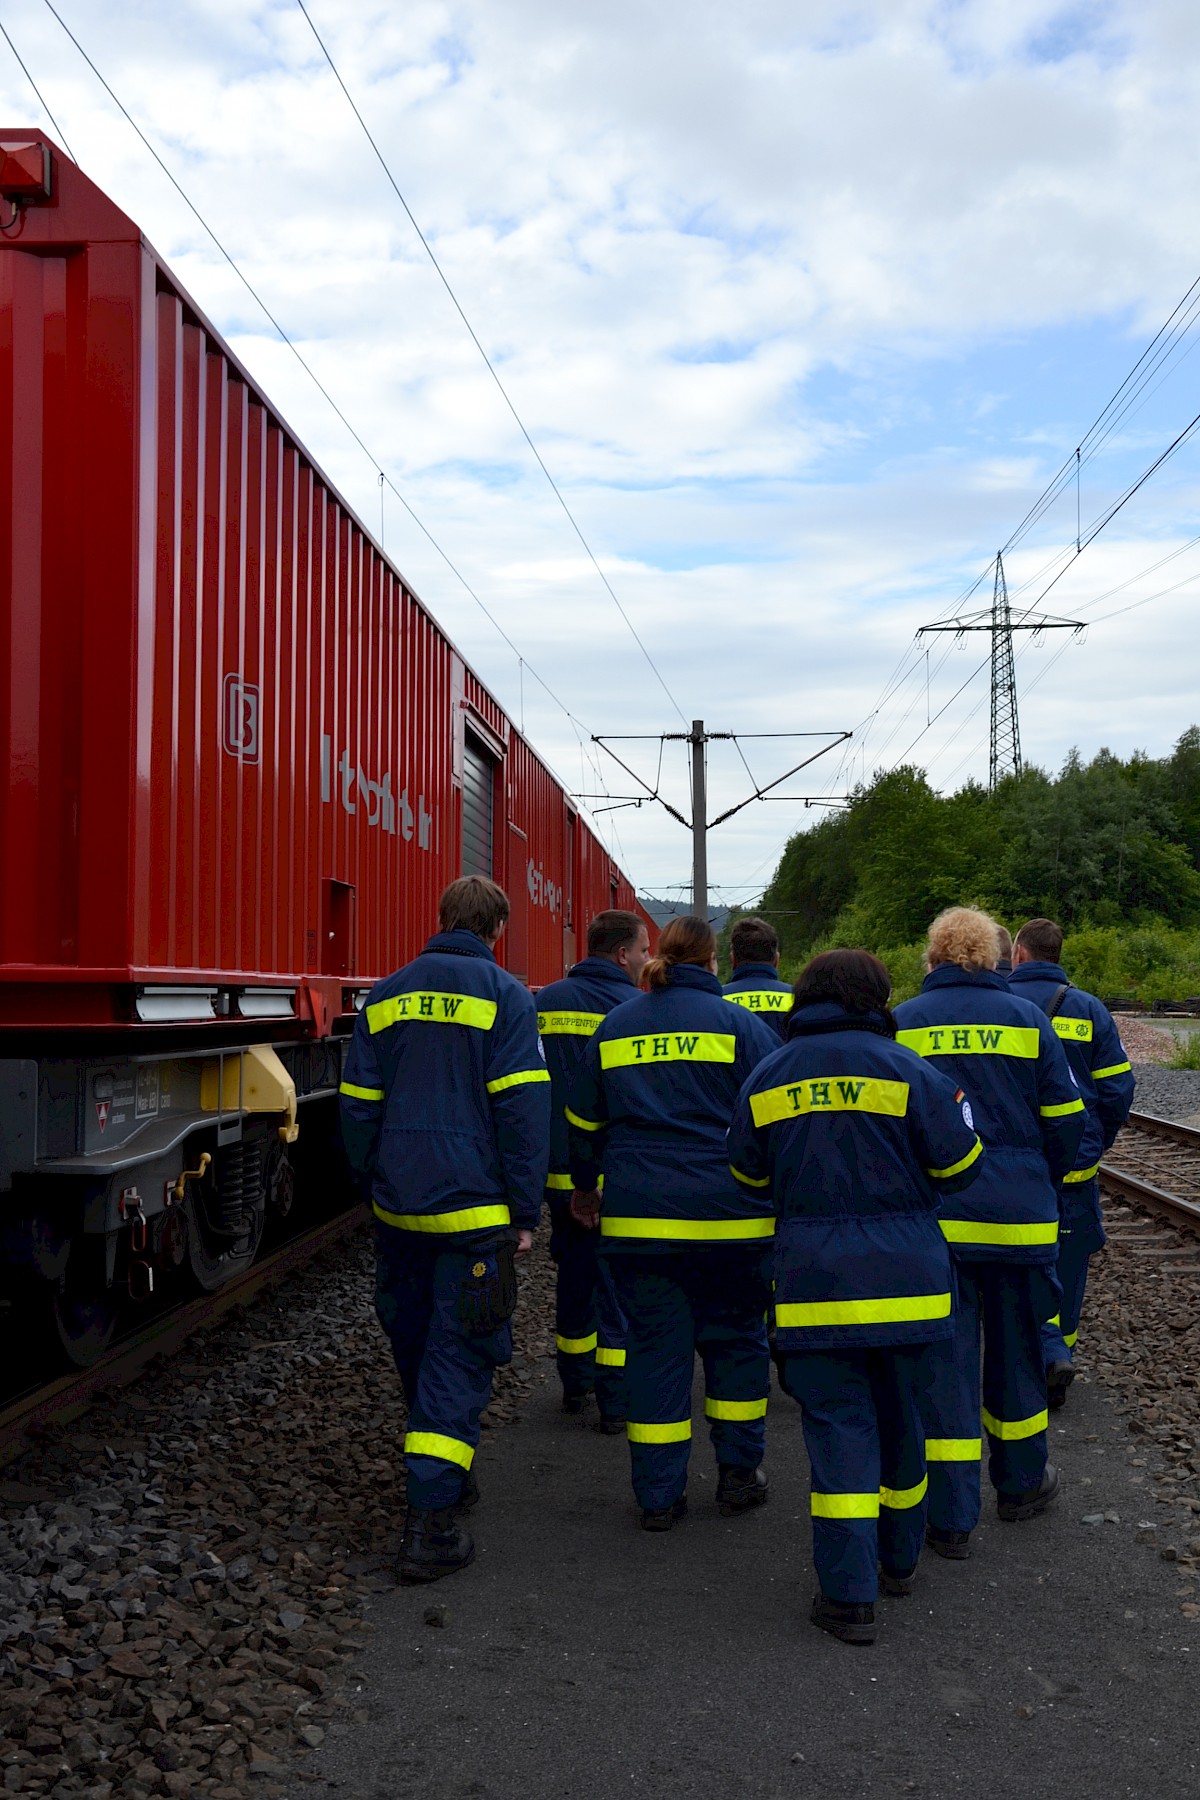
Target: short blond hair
x,y
966,936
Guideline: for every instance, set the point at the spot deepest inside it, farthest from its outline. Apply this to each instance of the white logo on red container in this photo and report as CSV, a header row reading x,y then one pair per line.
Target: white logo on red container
x,y
241,711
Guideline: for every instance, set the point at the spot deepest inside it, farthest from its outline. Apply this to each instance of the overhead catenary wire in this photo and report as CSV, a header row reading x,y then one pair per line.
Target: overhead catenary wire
x,y
41,99
488,363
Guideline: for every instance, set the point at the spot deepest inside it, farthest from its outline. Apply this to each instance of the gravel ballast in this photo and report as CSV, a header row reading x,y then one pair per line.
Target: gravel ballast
x,y
1167,1093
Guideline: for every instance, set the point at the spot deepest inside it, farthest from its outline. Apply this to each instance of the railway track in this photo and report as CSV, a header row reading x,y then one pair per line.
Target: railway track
x,y
1156,1164
38,1410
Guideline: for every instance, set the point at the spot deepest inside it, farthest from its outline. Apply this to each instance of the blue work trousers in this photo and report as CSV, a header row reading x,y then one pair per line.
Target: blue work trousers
x,y
446,1372
1080,1236
589,1326
677,1303
866,1443
1005,1303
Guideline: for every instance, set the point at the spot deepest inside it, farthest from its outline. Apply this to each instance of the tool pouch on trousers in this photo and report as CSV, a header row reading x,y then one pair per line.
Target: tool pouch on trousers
x,y
489,1291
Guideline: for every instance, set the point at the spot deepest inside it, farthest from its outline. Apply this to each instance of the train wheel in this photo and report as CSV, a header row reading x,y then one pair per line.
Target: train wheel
x,y
226,1214
82,1310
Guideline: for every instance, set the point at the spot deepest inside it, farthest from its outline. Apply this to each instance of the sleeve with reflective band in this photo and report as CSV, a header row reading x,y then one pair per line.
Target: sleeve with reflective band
x,y
669,1046
977,1231
1073,1031
462,1218
1121,1068
573,1118
559,1184
348,1091
962,1164
972,1040
1111,1075
1062,1115
561,1024
518,1079
360,1101
431,1009
901,1308
751,1181
694,1231
1082,1174
833,1093
1061,1112
587,1120
767,1000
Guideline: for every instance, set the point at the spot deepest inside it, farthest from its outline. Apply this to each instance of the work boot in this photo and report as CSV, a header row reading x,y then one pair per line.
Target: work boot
x,y
1033,1501
896,1587
955,1546
740,1489
577,1404
1059,1377
661,1518
852,1624
609,1427
470,1495
435,1544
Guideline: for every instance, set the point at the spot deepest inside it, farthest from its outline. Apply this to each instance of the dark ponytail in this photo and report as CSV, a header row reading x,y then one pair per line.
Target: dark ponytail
x,y
686,940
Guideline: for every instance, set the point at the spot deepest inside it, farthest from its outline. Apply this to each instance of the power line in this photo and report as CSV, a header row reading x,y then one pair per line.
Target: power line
x,y
489,365
58,131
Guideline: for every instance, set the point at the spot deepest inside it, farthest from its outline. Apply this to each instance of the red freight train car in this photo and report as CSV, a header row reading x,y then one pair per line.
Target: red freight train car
x,y
239,763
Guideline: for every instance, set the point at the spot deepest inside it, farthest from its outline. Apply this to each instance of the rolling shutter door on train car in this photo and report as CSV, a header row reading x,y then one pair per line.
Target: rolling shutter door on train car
x,y
478,807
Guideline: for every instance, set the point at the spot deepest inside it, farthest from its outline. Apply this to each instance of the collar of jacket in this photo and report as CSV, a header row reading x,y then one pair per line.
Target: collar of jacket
x,y
746,971
691,975
950,975
1039,971
600,969
827,1015
458,943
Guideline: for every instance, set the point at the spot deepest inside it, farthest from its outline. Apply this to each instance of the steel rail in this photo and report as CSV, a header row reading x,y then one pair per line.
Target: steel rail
x,y
57,1402
1144,1193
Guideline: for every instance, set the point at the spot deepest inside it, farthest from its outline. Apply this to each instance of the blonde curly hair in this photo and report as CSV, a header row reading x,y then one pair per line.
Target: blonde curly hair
x,y
966,936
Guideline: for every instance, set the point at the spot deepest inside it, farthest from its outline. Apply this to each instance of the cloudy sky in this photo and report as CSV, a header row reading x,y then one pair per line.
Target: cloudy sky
x,y
803,305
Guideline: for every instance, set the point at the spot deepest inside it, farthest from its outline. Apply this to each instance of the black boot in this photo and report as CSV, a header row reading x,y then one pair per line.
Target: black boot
x,y
896,1587
470,1495
852,1624
609,1427
955,1546
578,1404
1034,1501
740,1489
435,1544
1059,1377
661,1518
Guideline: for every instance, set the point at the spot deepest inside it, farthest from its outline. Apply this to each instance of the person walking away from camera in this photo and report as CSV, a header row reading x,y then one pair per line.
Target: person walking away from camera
x,y
1004,961
1085,1028
754,981
446,1115
589,1331
688,1246
1002,1053
858,1142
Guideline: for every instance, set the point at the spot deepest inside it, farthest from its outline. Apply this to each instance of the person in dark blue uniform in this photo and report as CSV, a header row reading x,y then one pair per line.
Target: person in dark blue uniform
x,y
1004,960
589,1331
857,1141
445,1108
754,980
688,1247
1003,1053
1085,1028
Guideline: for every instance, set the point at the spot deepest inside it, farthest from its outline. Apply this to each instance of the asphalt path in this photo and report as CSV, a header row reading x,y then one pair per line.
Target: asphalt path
x,y
582,1657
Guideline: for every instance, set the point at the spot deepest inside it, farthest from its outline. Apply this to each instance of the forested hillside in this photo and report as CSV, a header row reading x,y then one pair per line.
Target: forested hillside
x,y
1110,849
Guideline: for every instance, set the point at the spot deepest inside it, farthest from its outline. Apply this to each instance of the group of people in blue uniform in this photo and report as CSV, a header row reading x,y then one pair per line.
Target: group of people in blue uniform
x,y
743,1172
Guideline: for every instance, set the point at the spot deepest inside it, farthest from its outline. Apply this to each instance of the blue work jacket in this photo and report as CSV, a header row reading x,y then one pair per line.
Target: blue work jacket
x,y
649,1108
446,1099
757,987
857,1141
568,1013
1003,1053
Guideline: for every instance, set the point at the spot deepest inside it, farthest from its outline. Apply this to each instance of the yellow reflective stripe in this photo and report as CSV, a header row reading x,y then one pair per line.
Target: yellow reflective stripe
x,y
735,1409
1070,1339
712,1229
845,1506
749,1180
575,1346
569,1024
953,1449
895,1310
973,1231
1082,1174
1056,1320
585,1124
829,1093
958,1167
1078,1030
468,1218
764,999
1008,1429
1117,1069
668,1046
561,1184
678,1433
433,1443
517,1080
1060,1112
901,1498
973,1040
360,1093
433,1009
609,1359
